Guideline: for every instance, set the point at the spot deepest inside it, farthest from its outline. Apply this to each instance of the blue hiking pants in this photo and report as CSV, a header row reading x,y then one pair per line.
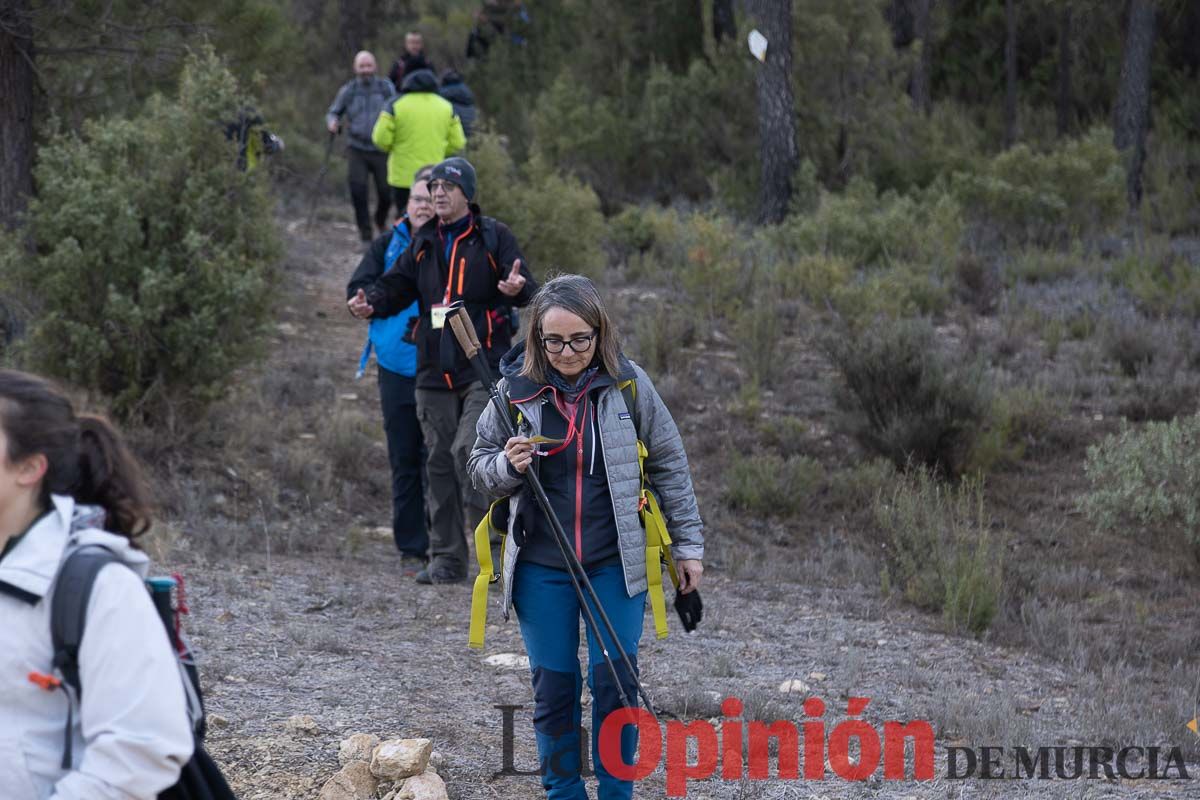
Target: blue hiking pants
x,y
548,610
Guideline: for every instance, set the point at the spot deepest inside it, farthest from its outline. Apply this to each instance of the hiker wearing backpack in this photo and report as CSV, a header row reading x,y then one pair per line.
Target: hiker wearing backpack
x,y
396,355
412,59
460,255
418,127
67,482
461,97
583,412
360,100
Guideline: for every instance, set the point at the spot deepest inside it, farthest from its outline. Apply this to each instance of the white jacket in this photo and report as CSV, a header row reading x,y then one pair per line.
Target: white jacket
x,y
131,734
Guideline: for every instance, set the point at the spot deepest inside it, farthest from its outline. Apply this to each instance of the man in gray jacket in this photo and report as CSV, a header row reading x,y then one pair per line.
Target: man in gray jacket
x,y
360,101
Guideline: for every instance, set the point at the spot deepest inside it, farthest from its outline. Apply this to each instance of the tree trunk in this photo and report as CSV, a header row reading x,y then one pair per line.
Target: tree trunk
x,y
1131,117
16,110
778,152
919,89
1010,73
1065,104
724,24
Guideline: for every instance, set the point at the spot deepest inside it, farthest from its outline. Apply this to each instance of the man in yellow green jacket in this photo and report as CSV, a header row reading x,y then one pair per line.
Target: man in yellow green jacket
x,y
418,127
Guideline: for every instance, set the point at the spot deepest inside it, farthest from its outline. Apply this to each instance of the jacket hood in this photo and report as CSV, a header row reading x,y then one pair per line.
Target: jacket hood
x,y
422,80
521,387
457,93
34,562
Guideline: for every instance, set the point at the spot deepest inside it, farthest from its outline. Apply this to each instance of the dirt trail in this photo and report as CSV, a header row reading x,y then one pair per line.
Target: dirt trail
x,y
345,639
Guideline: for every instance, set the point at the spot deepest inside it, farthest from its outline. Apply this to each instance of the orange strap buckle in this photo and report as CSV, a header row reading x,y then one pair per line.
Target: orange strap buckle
x,y
47,682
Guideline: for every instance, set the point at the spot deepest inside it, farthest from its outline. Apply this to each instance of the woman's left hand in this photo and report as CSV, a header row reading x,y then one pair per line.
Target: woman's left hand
x,y
689,572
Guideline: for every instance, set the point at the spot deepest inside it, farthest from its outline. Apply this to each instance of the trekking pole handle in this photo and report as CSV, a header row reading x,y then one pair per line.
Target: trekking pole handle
x,y
464,329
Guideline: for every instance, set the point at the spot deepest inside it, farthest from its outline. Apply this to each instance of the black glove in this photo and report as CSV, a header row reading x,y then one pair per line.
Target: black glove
x,y
690,609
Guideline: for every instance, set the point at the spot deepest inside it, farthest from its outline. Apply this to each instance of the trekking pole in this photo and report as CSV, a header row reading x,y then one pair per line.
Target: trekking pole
x,y
316,195
464,332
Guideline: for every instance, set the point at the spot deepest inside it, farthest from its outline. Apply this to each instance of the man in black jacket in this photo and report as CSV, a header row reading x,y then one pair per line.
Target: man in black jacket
x,y
461,255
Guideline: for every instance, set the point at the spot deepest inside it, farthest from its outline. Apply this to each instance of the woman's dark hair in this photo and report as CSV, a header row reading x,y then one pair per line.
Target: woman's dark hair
x,y
578,295
86,457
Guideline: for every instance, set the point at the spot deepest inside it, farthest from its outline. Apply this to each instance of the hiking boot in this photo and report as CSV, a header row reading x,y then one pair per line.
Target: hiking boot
x,y
411,565
440,574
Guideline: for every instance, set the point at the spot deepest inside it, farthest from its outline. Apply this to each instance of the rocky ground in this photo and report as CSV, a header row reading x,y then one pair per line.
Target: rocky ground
x,y
335,633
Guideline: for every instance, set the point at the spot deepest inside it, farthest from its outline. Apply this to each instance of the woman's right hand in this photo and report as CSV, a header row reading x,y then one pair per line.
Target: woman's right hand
x,y
519,451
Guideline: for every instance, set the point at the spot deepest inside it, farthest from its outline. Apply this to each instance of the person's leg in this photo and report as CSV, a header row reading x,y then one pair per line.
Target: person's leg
x,y
548,612
396,394
626,614
400,198
439,413
474,400
359,192
383,191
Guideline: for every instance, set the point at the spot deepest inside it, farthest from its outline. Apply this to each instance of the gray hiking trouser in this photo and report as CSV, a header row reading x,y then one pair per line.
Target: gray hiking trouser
x,y
448,420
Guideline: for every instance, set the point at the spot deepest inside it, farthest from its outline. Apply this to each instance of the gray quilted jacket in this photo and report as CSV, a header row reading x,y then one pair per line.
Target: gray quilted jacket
x,y
666,470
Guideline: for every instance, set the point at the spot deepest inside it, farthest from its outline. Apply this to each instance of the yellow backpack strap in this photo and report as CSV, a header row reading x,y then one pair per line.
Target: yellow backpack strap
x,y
658,550
487,575
658,541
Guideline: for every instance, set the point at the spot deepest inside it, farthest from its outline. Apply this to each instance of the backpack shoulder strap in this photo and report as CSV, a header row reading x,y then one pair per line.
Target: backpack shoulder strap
x,y
68,617
629,394
491,240
68,607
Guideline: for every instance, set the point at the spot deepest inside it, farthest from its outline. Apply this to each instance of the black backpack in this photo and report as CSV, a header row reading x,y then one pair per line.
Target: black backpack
x,y
200,779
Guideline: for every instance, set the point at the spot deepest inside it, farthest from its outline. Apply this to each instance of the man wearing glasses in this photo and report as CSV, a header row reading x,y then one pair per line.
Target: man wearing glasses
x,y
459,255
396,356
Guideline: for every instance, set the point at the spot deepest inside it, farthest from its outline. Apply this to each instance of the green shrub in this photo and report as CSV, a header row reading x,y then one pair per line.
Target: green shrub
x,y
977,281
714,272
871,229
660,331
1171,201
756,331
154,253
941,554
813,277
1026,196
908,401
785,434
904,290
770,485
1160,279
1039,265
1021,419
1144,478
856,487
631,231
1131,342
555,217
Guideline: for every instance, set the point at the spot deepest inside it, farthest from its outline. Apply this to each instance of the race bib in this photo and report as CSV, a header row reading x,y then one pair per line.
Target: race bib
x,y
437,316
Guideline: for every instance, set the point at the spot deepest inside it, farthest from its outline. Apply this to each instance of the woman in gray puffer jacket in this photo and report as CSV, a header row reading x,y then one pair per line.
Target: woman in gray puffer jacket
x,y
564,380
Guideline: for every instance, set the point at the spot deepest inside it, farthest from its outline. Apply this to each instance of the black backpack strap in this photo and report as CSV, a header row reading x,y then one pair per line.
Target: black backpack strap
x,y
629,395
491,240
68,618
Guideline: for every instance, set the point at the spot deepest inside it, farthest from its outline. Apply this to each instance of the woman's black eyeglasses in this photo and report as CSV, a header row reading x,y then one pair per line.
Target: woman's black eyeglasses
x,y
580,344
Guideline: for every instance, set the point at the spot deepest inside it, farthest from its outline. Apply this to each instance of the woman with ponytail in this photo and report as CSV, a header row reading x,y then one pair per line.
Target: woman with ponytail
x,y
67,481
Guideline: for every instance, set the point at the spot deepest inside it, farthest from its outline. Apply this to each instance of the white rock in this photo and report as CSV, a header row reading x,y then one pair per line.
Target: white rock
x,y
401,758
794,687
353,782
302,724
426,786
358,747
508,661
